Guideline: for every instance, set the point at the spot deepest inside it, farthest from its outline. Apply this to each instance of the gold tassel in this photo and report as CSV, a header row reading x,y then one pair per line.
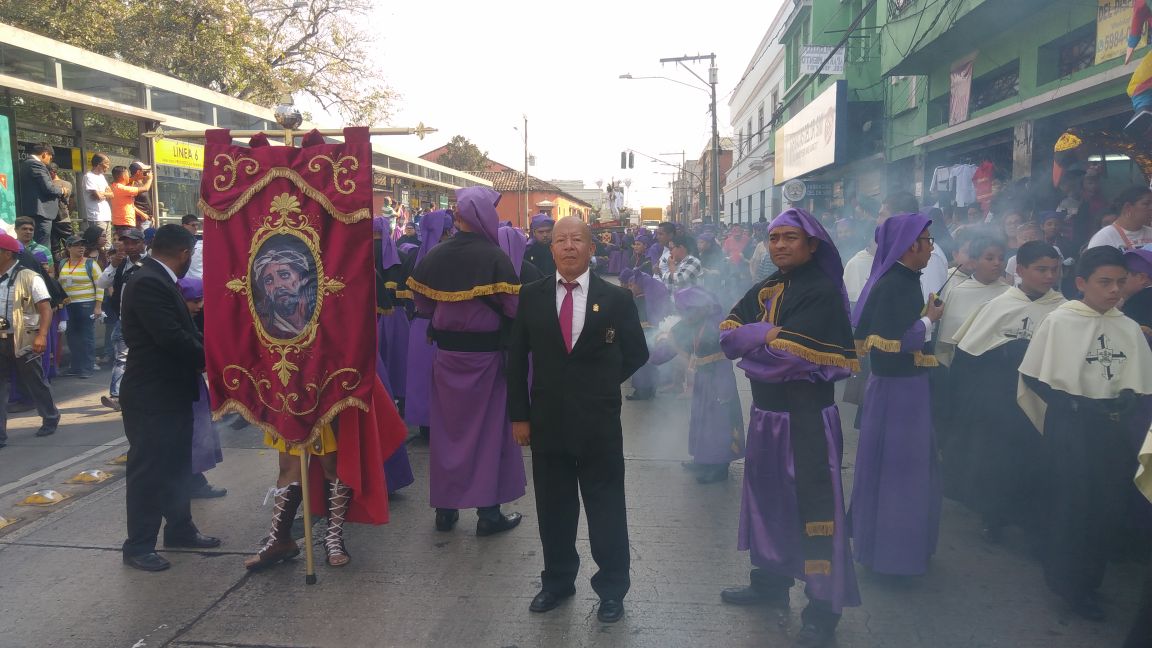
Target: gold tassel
x,y
819,528
729,325
815,357
921,360
877,342
823,567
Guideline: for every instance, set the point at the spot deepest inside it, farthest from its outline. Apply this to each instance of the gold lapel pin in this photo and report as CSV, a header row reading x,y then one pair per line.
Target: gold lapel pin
x,y
595,308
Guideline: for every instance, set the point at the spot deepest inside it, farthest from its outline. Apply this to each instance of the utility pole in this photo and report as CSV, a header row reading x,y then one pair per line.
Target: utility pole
x,y
527,206
714,201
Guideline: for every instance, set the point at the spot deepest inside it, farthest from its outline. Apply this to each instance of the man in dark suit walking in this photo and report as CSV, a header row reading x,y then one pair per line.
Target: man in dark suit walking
x,y
585,339
39,196
156,396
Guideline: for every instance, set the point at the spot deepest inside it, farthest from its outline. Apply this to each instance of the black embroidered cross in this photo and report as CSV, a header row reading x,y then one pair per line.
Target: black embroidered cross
x,y
1022,333
1106,356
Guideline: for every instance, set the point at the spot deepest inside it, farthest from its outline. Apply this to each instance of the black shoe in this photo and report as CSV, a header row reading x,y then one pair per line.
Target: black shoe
x,y
3,444
712,474
152,562
487,527
239,423
446,520
1088,607
641,396
46,430
813,636
751,596
610,611
207,491
690,466
198,541
111,402
545,600
17,407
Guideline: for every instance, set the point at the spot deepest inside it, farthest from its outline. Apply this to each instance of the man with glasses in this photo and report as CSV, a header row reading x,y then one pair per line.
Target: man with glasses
x,y
39,197
895,515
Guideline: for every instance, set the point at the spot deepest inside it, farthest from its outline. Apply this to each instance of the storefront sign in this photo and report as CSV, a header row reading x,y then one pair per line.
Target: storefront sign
x,y
820,190
443,201
179,154
812,139
812,56
961,85
1112,20
795,190
7,172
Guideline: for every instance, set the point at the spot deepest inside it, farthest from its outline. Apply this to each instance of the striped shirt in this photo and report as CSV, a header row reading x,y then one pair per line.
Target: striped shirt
x,y
78,282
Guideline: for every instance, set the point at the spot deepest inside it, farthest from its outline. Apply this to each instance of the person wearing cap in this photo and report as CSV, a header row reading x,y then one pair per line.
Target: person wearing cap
x,y
125,214
141,175
191,222
24,305
792,337
468,288
539,250
127,258
896,496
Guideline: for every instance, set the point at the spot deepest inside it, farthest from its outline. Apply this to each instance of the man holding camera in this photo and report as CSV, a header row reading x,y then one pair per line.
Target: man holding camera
x,y
24,304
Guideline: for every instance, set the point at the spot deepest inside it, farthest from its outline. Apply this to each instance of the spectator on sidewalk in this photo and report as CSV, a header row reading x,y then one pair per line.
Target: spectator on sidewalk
x,y
24,303
684,269
25,231
62,228
129,256
191,222
141,175
124,211
39,196
78,275
98,194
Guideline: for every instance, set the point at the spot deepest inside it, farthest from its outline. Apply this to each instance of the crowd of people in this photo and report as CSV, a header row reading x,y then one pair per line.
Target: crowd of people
x,y
1001,358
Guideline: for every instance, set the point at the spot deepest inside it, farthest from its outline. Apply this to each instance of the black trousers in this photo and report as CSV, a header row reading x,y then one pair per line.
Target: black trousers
x,y
560,480
30,376
159,462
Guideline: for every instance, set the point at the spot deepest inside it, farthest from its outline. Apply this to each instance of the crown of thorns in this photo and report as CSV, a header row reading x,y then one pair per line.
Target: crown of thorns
x,y
281,257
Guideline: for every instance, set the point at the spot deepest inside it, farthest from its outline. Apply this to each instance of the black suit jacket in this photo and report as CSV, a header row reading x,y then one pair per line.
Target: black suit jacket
x,y
574,401
39,196
166,351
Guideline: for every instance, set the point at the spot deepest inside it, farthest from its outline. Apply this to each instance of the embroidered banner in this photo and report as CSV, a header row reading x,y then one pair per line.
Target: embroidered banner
x,y
288,284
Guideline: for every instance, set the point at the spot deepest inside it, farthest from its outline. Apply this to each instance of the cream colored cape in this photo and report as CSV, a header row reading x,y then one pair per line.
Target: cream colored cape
x,y
1011,316
856,273
1084,353
960,302
1144,474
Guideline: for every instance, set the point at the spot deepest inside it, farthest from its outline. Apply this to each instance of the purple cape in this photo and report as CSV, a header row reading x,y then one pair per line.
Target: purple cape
x,y
827,256
893,238
477,207
432,227
513,243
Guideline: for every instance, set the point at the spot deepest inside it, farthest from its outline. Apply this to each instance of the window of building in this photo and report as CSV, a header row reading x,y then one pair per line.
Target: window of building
x,y
760,124
228,118
102,85
762,207
938,110
178,105
27,65
740,143
749,134
996,86
739,210
1067,55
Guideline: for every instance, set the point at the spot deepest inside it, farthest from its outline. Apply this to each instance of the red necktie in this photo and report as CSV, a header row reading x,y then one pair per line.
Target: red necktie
x,y
566,314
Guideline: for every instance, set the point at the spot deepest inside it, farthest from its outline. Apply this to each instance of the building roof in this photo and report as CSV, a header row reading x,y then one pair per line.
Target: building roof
x,y
513,181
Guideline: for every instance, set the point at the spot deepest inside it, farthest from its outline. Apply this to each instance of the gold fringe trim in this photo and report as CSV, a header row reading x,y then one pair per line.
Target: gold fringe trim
x,y
384,311
404,294
729,325
709,359
815,357
463,295
823,567
877,342
234,406
921,360
296,179
819,528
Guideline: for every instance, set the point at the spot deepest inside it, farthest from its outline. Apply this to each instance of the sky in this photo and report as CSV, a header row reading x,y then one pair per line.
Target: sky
x,y
476,68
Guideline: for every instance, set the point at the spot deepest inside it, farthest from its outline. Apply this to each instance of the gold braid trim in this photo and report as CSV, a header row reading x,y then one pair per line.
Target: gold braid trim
x,y
232,405
818,567
391,284
729,325
302,184
877,342
384,311
815,357
709,359
921,360
403,294
463,295
819,528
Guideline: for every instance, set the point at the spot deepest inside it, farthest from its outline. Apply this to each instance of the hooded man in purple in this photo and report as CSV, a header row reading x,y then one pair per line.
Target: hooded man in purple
x,y
391,342
469,287
421,349
897,493
792,337
539,250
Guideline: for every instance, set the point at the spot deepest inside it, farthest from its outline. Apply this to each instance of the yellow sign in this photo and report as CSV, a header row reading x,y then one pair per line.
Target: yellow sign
x,y
1112,20
179,154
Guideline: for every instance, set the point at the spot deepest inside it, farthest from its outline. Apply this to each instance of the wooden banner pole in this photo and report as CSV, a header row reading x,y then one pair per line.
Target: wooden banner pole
x,y
310,565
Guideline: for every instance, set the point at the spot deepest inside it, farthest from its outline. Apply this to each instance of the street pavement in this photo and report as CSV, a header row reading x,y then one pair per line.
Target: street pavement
x,y
62,584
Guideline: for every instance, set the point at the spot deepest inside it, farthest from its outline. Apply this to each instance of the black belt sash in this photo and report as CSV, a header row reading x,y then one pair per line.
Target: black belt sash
x,y
791,395
466,341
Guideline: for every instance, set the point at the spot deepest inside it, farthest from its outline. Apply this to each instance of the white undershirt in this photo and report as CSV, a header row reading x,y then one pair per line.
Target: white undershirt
x,y
579,302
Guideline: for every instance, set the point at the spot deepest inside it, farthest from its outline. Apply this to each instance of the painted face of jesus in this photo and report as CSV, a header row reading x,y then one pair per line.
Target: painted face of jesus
x,y
281,283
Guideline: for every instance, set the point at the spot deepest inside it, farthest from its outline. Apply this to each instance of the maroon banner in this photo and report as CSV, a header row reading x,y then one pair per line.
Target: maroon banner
x,y
289,291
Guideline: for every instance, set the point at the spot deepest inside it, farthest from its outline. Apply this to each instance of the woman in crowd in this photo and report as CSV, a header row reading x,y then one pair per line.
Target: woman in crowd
x,y
78,277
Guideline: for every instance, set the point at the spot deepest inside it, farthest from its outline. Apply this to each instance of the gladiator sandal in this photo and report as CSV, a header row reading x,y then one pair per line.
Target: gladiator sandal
x,y
279,545
339,494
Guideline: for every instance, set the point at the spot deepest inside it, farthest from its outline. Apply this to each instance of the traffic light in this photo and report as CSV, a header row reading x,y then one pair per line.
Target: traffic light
x,y
623,159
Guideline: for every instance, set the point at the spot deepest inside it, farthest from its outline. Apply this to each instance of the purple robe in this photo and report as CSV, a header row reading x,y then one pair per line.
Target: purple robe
x,y
616,259
473,459
393,330
421,350
772,526
206,450
397,468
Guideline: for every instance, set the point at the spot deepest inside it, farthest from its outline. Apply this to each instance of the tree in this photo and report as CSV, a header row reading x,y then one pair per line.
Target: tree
x,y
463,155
256,50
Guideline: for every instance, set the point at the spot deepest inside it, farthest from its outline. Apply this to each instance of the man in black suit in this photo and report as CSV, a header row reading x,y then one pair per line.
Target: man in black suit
x,y
156,396
585,339
39,195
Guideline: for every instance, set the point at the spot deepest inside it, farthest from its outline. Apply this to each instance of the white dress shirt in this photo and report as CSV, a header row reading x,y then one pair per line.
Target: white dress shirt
x,y
579,302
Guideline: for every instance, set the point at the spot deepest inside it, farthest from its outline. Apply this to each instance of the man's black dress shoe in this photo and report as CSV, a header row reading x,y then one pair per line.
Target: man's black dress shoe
x,y
446,520
545,600
712,474
487,527
46,430
198,541
752,596
813,636
152,562
207,491
610,611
